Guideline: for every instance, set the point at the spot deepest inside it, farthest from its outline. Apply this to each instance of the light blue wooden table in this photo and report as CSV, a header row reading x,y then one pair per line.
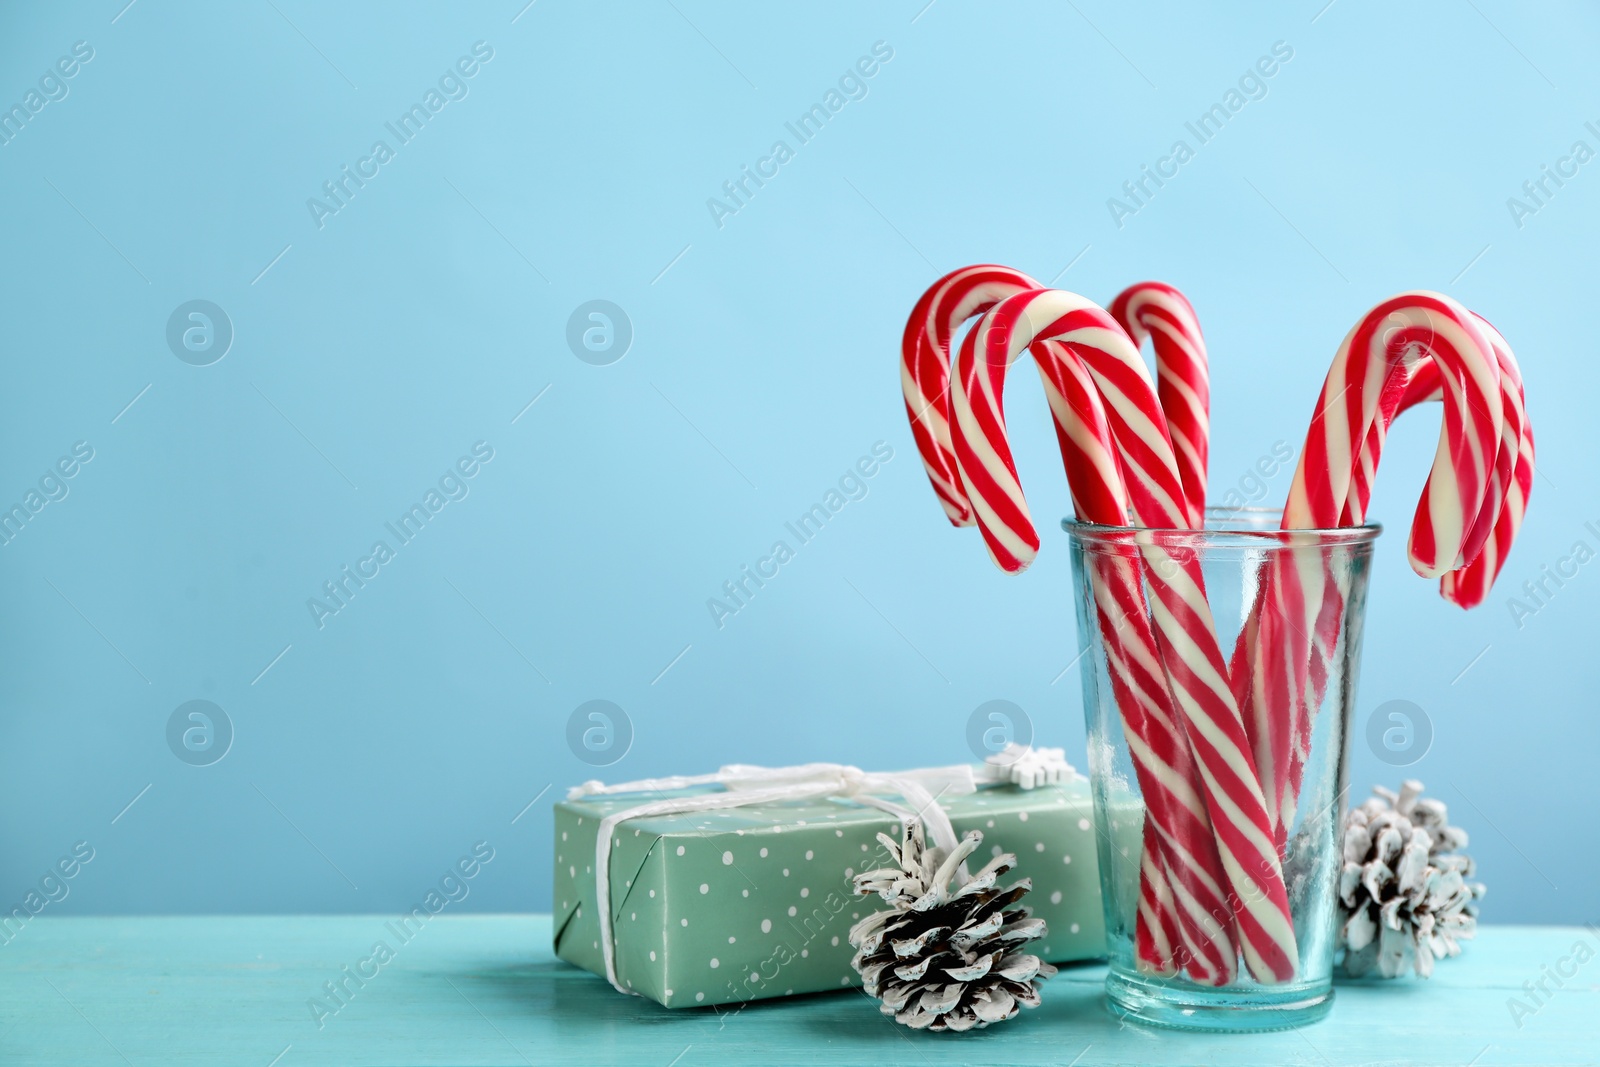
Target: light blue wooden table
x,y
486,990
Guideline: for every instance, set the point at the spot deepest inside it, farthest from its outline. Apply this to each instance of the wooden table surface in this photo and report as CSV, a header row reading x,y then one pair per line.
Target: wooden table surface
x,y
486,990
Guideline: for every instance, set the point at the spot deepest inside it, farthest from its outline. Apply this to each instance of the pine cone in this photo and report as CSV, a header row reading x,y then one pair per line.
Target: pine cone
x,y
1404,896
944,958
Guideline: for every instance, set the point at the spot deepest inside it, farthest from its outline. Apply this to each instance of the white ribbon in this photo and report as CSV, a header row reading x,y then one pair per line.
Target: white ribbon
x,y
747,786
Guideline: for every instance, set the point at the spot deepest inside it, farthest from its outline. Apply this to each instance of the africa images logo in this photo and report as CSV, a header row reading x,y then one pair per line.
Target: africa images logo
x,y
741,589
451,86
53,88
852,85
453,485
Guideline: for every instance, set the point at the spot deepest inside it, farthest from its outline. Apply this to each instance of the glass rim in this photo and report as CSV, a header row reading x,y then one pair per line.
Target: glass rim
x,y
1218,530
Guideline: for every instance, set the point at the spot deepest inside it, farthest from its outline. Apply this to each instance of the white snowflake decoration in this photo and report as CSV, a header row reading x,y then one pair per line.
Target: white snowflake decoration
x,y
1028,767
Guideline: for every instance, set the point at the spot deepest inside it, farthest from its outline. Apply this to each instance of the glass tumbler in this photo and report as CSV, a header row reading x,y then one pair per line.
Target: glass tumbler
x,y
1287,609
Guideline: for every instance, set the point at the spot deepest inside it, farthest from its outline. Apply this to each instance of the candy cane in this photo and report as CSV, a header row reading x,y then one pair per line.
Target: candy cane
x,y
1468,445
1207,949
925,367
1490,533
1152,309
1500,518
925,376
1269,681
1183,377
1155,930
1392,358
1408,385
1183,385
1167,776
1189,652
1510,482
1096,487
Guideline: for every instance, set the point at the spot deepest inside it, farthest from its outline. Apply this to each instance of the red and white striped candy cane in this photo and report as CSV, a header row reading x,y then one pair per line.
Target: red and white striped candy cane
x,y
1156,932
1178,833
1474,417
1418,380
925,367
1428,365
1183,378
1467,586
1410,383
1153,309
1092,477
1183,381
1279,696
1393,350
1095,483
1189,653
924,378
1500,517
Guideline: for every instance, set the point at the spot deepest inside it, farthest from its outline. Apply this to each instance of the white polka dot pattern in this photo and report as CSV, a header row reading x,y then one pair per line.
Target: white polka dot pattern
x,y
784,929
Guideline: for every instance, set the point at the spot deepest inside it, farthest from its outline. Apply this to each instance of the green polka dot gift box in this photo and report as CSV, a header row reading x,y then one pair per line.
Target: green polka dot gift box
x,y
748,894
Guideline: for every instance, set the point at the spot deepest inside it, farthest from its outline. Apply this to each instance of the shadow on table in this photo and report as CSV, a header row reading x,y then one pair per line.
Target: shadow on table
x,y
575,1004
1073,1011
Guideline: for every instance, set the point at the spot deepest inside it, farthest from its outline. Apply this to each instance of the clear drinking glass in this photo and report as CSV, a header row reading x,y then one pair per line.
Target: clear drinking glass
x,y
1305,711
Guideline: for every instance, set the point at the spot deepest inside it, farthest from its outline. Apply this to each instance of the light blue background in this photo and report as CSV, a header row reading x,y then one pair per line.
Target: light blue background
x,y
426,315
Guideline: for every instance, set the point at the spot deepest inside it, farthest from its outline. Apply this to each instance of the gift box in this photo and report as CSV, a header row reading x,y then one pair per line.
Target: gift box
x,y
752,901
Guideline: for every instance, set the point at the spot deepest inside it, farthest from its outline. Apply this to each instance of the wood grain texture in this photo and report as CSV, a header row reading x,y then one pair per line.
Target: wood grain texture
x,y
487,990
